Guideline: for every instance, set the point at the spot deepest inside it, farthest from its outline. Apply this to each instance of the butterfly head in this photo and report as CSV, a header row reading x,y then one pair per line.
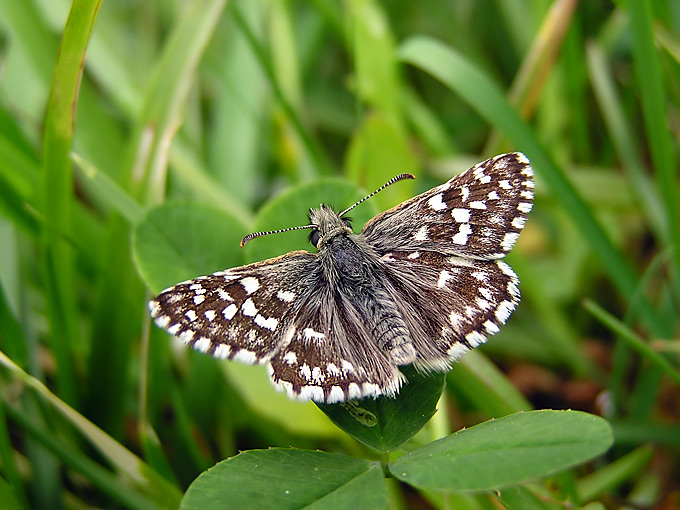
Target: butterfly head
x,y
326,224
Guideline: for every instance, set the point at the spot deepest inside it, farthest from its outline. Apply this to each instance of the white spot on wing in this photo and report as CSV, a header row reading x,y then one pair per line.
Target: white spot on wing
x,y
245,356
509,240
504,310
456,351
455,319
353,391
493,196
519,222
524,207
229,312
210,314
314,393
310,334
464,193
475,338
198,299
485,292
346,366
423,234
491,327
222,351
250,284
285,295
462,236
437,202
202,344
370,389
317,376
248,308
461,215
477,204
443,276
483,303
336,395
305,371
269,323
191,315
162,321
414,255
224,295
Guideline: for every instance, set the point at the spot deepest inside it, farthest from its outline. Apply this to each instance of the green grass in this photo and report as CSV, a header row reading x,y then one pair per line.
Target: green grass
x,y
140,140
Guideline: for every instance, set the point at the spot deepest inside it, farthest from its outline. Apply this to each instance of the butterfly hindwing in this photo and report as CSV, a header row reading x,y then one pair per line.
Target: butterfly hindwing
x,y
453,305
329,358
477,214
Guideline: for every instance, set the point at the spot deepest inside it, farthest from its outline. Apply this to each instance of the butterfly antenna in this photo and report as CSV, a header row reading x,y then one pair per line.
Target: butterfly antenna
x,y
252,236
394,179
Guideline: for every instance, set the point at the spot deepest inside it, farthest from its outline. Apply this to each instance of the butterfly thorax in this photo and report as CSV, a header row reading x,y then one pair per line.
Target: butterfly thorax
x,y
352,267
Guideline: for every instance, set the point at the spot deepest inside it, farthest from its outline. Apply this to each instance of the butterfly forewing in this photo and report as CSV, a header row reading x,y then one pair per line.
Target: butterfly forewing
x,y
241,313
477,214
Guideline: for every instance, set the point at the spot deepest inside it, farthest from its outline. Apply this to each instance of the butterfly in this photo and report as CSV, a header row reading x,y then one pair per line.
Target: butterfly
x,y
422,283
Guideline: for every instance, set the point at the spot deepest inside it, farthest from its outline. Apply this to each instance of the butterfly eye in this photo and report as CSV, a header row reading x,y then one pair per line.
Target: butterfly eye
x,y
347,223
314,238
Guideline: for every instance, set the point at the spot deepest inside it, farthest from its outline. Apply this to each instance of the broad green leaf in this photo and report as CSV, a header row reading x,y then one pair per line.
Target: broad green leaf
x,y
288,479
178,241
505,451
386,423
291,209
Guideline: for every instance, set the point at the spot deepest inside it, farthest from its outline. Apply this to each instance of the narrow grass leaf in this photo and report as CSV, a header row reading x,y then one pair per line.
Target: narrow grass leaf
x,y
632,339
150,482
615,474
652,94
288,479
106,191
505,451
162,110
56,191
624,140
320,162
9,498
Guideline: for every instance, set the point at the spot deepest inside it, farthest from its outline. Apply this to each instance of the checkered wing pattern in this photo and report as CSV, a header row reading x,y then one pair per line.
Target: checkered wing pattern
x,y
478,214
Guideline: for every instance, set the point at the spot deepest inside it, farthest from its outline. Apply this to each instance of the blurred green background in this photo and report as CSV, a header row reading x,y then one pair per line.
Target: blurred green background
x,y
205,116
